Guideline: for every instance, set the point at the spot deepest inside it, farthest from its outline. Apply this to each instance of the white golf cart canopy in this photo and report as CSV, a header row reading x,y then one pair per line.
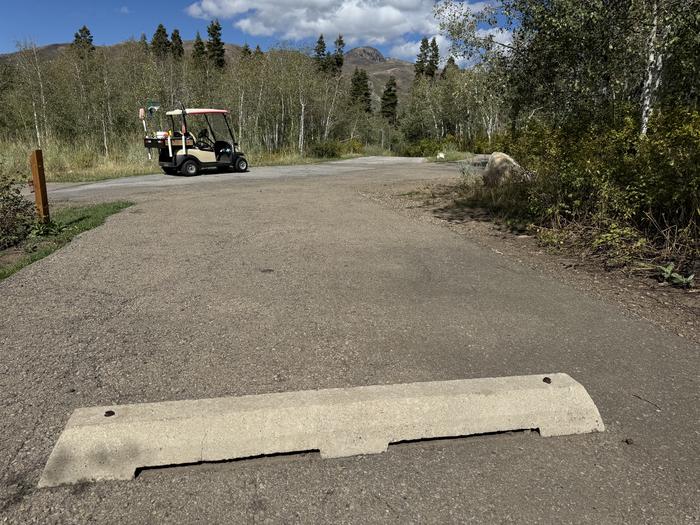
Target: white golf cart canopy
x,y
196,111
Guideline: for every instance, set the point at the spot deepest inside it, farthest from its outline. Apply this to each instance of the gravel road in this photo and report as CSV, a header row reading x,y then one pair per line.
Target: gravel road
x,y
292,278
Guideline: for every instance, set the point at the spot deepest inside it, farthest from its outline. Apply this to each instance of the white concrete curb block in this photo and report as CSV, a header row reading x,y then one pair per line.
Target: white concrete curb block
x,y
112,442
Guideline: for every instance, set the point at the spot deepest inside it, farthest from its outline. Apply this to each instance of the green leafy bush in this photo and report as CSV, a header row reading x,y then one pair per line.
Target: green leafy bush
x,y
354,146
16,214
481,144
617,174
667,274
422,148
428,148
626,195
329,149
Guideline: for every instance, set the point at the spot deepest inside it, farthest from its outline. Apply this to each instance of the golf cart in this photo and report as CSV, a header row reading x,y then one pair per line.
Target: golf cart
x,y
181,151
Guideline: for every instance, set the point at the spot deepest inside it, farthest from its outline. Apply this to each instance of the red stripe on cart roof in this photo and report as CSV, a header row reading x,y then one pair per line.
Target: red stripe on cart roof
x,y
197,111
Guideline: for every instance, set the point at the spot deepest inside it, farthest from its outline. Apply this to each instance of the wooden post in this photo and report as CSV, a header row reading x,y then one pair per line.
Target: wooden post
x,y
36,159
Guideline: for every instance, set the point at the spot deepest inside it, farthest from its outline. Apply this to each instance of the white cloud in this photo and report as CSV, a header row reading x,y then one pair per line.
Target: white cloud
x,y
409,49
124,10
500,35
365,21
390,23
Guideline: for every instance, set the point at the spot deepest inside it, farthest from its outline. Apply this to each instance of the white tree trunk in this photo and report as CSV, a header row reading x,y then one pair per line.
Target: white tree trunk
x,y
435,122
282,126
41,90
104,137
240,118
327,129
36,125
301,126
257,112
108,98
652,78
83,96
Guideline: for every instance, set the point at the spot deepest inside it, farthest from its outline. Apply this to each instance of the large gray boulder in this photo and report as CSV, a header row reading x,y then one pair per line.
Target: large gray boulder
x,y
502,168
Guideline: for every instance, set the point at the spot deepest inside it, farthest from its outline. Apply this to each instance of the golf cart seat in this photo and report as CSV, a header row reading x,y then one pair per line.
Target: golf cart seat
x,y
223,151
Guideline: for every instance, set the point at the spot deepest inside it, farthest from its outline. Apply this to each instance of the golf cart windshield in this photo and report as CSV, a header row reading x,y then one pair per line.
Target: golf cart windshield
x,y
216,125
208,126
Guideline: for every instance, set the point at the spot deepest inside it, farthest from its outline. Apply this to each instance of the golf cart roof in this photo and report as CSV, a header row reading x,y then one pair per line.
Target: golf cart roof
x,y
196,111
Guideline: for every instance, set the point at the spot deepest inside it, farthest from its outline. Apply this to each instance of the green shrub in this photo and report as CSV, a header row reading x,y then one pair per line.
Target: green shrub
x,y
425,148
619,245
422,148
481,144
329,149
354,146
16,214
622,195
429,147
667,274
616,175
376,151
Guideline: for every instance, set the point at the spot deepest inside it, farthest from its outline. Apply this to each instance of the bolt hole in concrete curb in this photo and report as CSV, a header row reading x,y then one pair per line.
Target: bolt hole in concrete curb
x,y
337,422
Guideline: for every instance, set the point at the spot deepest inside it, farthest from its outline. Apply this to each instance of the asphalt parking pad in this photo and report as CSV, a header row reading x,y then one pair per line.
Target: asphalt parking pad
x,y
113,442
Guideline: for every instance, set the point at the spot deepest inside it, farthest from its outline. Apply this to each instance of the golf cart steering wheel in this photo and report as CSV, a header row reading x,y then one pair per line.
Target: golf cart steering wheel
x,y
204,138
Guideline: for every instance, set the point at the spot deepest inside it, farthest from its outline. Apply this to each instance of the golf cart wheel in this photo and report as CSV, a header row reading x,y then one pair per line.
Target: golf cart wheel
x,y
189,168
241,164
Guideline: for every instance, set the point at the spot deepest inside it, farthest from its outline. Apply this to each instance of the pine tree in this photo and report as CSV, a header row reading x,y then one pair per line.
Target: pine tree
x,y
258,52
433,61
338,55
245,50
160,43
216,52
422,58
360,95
82,40
177,47
390,101
199,52
320,54
450,67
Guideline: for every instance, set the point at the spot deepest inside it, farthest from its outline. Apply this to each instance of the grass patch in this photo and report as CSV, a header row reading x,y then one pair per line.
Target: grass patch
x,y
114,169
46,239
83,163
79,162
452,156
107,170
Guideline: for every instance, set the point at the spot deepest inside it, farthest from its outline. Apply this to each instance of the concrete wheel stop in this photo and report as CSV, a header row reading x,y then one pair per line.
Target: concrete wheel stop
x,y
113,442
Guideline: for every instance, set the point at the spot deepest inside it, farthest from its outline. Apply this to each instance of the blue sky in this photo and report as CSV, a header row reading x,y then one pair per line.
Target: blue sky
x,y
110,21
393,26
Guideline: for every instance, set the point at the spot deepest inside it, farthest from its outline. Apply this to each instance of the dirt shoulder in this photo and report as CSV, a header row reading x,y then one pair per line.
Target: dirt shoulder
x,y
672,309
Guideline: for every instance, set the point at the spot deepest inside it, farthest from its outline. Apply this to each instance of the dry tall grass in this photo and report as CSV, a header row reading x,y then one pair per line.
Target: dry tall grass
x,y
86,162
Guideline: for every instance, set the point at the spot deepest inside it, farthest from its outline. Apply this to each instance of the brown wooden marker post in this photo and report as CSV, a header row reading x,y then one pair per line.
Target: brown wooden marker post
x,y
36,159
